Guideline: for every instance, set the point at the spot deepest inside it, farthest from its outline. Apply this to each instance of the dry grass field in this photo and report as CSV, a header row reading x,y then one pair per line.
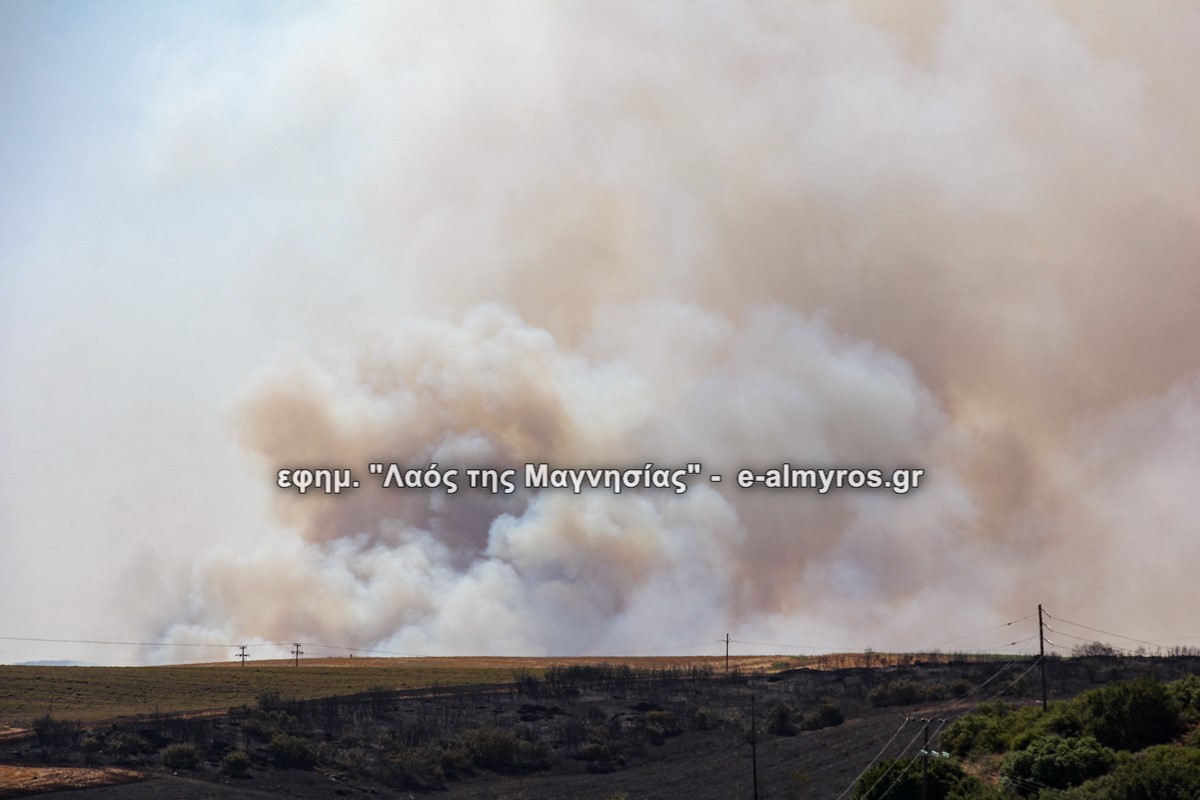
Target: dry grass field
x,y
96,693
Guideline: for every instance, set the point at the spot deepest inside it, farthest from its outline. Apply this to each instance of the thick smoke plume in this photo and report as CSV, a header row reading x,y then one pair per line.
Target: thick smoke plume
x,y
741,234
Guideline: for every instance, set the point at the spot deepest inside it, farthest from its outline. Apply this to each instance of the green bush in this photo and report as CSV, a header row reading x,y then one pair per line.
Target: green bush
x,y
416,768
663,719
947,781
798,785
292,752
1132,715
826,715
181,756
127,743
1058,763
977,733
501,751
897,693
781,720
259,728
90,746
1163,772
592,751
236,764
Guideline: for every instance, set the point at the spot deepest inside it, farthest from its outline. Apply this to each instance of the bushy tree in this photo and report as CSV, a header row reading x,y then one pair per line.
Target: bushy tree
x,y
1132,715
900,779
1059,763
1163,772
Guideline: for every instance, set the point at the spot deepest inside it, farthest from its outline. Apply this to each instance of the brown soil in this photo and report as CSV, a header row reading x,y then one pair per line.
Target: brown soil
x,y
18,781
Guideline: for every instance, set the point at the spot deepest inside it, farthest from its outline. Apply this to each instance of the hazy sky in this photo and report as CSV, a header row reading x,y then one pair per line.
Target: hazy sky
x,y
237,237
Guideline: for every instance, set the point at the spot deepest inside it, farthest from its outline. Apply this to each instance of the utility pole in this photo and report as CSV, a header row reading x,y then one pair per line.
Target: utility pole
x,y
242,655
727,654
754,743
297,652
1042,653
925,766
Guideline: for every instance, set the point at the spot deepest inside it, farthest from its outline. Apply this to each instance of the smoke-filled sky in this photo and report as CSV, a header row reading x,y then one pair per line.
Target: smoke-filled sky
x,y
238,237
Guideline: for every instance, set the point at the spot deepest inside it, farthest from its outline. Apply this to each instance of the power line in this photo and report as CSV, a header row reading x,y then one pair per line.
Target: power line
x,y
1125,650
1106,633
123,644
986,630
354,649
882,777
1010,644
978,687
911,761
878,755
830,648
1016,680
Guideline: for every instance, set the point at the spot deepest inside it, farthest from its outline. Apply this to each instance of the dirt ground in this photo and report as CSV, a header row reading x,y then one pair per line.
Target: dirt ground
x,y
18,781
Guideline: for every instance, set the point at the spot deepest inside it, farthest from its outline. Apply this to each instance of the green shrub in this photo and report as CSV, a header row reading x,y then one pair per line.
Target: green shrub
x,y
902,776
798,785
592,751
236,764
781,720
897,693
416,768
500,751
127,743
1163,772
664,720
1132,715
826,715
1058,763
292,752
90,746
181,756
259,728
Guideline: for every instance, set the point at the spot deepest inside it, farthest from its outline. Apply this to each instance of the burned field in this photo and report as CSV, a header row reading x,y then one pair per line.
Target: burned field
x,y
584,730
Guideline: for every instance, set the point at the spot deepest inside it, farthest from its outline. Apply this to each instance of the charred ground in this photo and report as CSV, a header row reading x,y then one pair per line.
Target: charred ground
x,y
587,730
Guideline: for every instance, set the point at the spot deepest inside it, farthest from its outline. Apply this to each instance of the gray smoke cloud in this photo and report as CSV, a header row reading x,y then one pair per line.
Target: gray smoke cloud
x,y
550,571
960,238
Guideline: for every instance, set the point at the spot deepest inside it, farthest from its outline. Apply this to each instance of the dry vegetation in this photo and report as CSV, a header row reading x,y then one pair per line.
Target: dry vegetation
x,y
96,693
523,728
18,781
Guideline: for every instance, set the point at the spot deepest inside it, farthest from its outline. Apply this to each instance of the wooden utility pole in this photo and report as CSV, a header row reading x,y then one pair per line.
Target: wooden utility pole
x,y
754,744
727,654
1042,653
297,652
242,655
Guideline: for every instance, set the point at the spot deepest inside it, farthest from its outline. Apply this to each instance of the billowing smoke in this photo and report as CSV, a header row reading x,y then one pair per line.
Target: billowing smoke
x,y
553,571
739,234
